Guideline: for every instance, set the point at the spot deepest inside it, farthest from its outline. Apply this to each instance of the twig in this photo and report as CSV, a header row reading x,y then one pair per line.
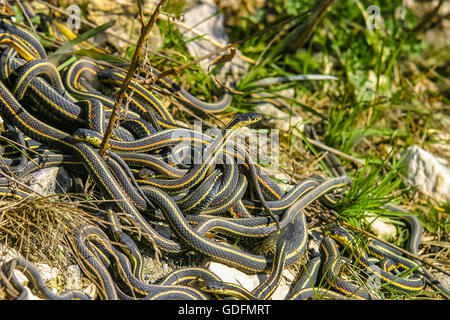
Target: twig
x,y
141,13
20,145
134,62
27,17
177,70
19,183
335,151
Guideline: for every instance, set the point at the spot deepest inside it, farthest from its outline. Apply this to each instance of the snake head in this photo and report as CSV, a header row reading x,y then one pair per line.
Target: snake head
x,y
339,234
211,286
145,173
243,119
89,136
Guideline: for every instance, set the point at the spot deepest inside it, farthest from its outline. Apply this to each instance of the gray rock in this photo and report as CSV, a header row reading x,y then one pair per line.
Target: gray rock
x,y
283,288
49,181
279,119
205,19
73,280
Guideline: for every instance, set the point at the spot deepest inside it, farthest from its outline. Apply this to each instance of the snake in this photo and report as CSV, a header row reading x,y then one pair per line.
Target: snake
x,y
64,122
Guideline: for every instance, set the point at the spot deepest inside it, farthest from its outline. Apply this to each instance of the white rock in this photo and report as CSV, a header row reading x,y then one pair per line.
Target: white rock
x,y
21,277
250,282
8,253
381,227
47,272
91,290
288,275
315,239
427,172
31,295
24,281
232,275
284,286
282,290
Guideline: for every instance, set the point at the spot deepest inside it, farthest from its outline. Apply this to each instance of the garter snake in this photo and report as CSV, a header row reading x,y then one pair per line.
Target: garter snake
x,y
193,199
46,134
33,275
413,284
27,45
266,288
214,107
307,278
100,259
51,136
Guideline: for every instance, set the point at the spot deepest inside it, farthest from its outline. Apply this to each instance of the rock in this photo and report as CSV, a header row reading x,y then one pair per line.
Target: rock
x,y
249,282
31,296
91,290
284,184
7,253
73,280
429,173
47,272
315,238
278,119
233,275
49,181
381,227
283,288
206,20
24,281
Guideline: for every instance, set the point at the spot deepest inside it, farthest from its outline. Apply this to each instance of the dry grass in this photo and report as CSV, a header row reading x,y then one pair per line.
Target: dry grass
x,y
38,228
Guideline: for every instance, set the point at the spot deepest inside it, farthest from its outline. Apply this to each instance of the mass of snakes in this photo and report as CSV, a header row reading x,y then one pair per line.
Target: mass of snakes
x,y
63,114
